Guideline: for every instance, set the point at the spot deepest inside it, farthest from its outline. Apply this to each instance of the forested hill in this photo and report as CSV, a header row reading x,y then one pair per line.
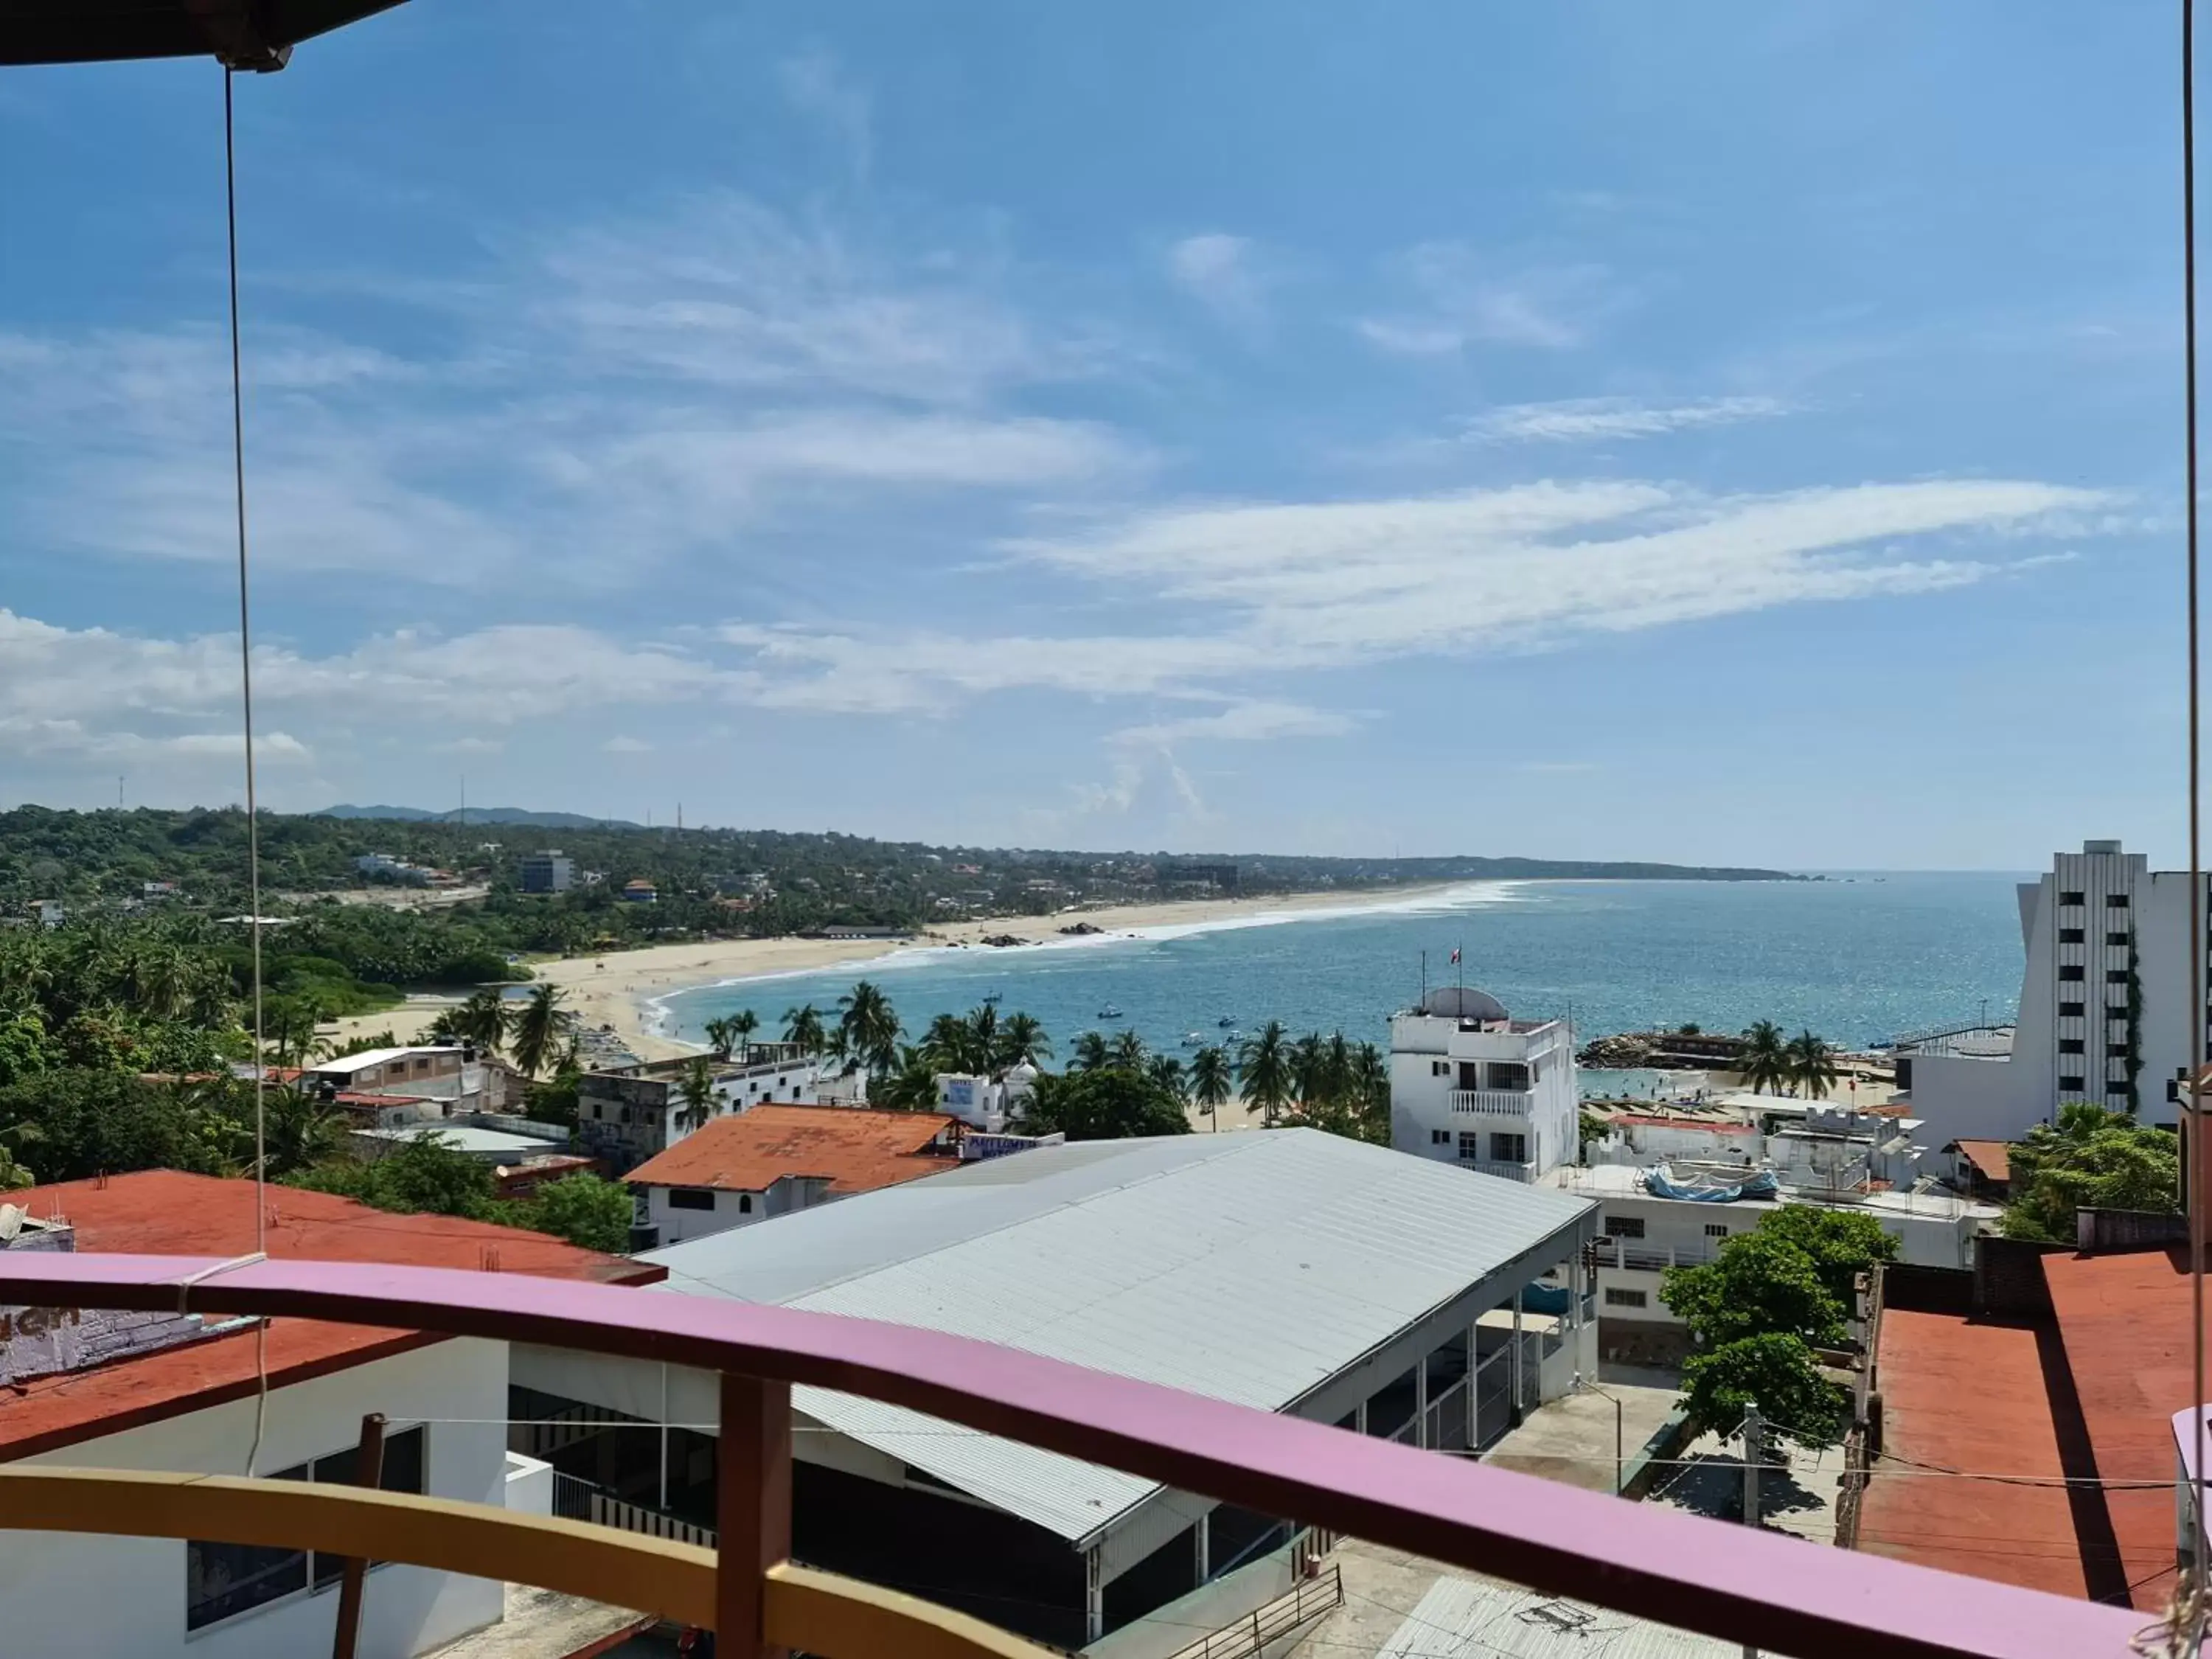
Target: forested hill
x,y
790,881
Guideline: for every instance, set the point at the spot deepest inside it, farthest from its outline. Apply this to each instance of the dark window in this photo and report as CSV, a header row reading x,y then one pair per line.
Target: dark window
x,y
2070,1010
2116,901
1716,1230
2070,898
2070,1085
2071,971
224,1580
2070,1046
2115,939
744,1203
2116,976
2072,935
690,1198
1508,1148
1440,1137
1617,1297
1623,1226
1440,1068
1470,1145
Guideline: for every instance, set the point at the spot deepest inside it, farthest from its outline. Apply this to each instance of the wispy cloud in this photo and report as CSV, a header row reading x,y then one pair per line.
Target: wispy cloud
x,y
1597,419
816,85
1457,298
1221,272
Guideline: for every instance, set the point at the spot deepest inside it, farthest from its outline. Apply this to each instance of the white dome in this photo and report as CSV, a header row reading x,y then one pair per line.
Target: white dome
x,y
1463,1002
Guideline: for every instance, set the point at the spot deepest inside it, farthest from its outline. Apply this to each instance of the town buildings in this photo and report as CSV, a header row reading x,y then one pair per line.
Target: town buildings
x,y
1471,1085
2103,1007
771,1160
628,1113
550,871
178,1392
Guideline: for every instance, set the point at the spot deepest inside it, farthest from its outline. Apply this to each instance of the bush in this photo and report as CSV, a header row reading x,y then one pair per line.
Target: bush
x,y
1110,1104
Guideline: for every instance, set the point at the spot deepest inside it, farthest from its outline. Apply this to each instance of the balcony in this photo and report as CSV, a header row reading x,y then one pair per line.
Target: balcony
x,y
1720,1580
1497,1103
1524,1172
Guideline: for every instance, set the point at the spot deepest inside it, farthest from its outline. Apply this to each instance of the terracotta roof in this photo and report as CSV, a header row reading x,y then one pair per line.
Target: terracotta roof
x,y
164,1212
858,1150
1992,1157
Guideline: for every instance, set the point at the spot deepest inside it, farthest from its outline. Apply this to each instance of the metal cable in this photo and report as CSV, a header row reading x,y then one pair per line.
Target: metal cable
x,y
252,805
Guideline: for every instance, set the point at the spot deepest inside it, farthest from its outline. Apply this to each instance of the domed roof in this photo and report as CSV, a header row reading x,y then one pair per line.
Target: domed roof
x,y
1462,1002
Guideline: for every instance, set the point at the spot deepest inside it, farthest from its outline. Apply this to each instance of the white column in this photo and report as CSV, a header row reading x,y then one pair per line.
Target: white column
x,y
1359,1418
1201,1545
1421,1403
1094,1597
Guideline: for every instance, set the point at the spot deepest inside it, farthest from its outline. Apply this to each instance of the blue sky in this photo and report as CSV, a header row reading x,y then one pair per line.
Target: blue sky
x,y
1715,433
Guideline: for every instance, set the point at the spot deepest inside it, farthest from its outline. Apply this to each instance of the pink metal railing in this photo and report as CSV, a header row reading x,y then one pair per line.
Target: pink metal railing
x,y
1775,1592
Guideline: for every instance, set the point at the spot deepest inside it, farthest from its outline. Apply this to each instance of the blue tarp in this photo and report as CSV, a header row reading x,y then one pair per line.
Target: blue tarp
x,y
1546,1298
1660,1184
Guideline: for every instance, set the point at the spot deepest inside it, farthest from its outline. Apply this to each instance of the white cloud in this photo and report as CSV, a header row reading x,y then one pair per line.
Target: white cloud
x,y
815,85
1221,272
1584,419
1455,298
622,746
1254,720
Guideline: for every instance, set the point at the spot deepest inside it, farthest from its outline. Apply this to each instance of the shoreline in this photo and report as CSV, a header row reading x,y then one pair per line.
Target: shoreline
x,y
625,992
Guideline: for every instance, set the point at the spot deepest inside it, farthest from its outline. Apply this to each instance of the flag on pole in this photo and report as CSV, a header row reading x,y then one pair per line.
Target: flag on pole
x,y
1454,957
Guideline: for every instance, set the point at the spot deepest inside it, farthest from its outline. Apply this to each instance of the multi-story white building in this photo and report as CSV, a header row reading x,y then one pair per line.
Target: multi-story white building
x,y
1471,1085
2103,1007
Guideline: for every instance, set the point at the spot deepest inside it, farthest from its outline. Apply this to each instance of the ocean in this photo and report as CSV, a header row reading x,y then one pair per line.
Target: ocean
x,y
1858,958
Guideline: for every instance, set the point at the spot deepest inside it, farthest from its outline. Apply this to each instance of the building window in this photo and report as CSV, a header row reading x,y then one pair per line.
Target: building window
x,y
2116,976
1470,1146
1440,1137
1623,1226
2115,939
1440,1068
1508,1148
1716,1230
690,1198
2072,935
2071,898
2071,1010
2070,971
2070,1046
2116,901
222,1581
1617,1297
744,1203
2070,1085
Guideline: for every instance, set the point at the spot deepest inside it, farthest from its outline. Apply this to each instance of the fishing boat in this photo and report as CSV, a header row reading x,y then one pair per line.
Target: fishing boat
x,y
1193,1039
1226,1021
1109,1011
992,998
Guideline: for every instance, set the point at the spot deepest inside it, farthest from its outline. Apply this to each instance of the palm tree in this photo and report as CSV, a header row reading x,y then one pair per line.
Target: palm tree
x,y
15,1177
1212,1080
912,1087
721,1038
1263,1066
696,1091
1127,1052
538,1026
1811,1064
1166,1071
869,1028
983,1024
1309,1069
298,1131
1022,1041
1370,1077
288,1024
950,1045
1765,1061
803,1025
743,1024
481,1021
1091,1054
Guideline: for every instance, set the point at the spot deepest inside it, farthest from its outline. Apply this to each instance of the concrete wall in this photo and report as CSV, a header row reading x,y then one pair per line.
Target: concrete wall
x,y
529,1486
70,1594
1232,1597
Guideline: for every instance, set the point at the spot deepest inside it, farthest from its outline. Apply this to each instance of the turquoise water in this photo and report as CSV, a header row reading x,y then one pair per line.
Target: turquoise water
x,y
1857,961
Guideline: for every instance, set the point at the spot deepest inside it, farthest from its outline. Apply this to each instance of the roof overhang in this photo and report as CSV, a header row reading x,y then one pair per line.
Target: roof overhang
x,y
242,34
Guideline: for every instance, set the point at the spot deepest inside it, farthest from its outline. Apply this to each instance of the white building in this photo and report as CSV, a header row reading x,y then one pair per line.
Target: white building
x,y
1471,1085
987,1104
626,1114
1641,1233
2103,1007
177,1393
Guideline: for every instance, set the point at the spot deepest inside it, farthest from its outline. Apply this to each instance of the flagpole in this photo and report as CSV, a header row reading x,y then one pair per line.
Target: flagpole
x,y
1423,1004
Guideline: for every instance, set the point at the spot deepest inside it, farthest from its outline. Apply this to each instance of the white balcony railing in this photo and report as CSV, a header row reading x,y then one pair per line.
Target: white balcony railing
x,y
1498,1102
1524,1172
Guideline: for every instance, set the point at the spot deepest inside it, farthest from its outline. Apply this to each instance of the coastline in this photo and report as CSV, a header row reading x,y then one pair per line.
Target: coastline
x,y
617,991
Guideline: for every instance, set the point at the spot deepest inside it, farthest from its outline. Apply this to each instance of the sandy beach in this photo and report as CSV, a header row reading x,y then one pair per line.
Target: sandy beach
x,y
609,990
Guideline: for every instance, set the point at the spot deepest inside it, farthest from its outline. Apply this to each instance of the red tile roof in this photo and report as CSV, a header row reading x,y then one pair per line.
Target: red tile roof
x,y
858,1150
1992,1157
161,1212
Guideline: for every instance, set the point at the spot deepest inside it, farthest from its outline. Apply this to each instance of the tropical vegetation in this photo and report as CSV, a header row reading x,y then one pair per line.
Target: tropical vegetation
x,y
1804,1064
2091,1158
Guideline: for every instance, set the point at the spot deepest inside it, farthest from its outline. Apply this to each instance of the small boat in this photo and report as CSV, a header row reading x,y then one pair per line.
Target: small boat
x,y
992,998
1109,1011
1193,1039
1226,1021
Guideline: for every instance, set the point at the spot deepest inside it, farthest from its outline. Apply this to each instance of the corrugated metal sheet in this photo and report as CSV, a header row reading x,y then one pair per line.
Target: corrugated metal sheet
x,y
1463,1616
1249,1266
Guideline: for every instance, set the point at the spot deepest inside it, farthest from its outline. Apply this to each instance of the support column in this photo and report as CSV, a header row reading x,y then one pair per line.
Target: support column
x,y
1359,1418
753,1510
1473,1359
1516,1372
1201,1545
1421,1403
1094,1597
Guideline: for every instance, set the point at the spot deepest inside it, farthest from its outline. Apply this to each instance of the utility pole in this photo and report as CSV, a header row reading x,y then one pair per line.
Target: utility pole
x,y
1751,1448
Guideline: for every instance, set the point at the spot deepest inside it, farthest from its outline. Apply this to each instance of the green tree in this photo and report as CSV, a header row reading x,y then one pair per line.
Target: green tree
x,y
1760,1284
1841,1245
1812,1063
298,1130
1166,1071
1022,1041
539,1026
1091,1054
2092,1159
1263,1066
1110,1104
951,1045
1212,1080
1371,1079
1777,1373
870,1029
426,1175
16,1176
1127,1050
480,1021
696,1089
26,1050
803,1025
590,1214
1765,1061
912,1086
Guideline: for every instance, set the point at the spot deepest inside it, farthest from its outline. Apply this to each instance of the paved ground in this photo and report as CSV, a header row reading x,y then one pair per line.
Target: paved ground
x,y
541,1624
1797,1491
1381,1586
1573,1438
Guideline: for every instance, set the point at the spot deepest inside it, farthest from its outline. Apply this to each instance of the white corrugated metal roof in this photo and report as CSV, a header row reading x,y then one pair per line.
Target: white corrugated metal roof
x,y
1249,1266
1463,1616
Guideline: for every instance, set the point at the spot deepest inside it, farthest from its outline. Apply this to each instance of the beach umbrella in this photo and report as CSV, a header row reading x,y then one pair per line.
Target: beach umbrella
x,y
242,34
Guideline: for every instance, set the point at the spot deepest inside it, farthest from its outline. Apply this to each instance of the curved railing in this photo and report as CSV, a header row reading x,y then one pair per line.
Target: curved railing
x,y
1774,1592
